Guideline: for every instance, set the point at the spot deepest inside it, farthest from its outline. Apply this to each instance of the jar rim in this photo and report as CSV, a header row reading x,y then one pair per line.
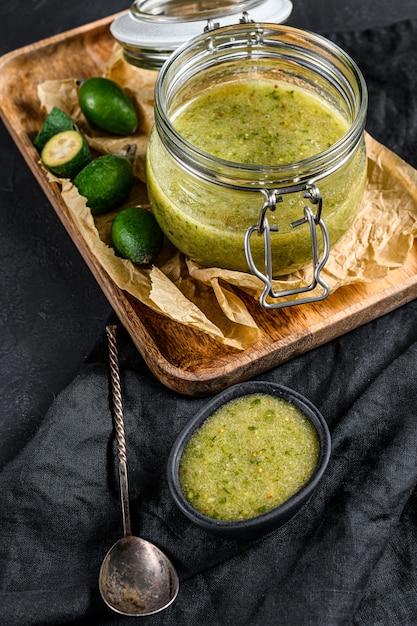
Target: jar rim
x,y
326,54
157,11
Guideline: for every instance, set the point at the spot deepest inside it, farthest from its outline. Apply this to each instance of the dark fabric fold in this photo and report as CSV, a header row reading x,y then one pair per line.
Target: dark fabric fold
x,y
349,557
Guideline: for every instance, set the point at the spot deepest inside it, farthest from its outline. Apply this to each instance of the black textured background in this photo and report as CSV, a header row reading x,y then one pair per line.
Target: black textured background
x,y
349,557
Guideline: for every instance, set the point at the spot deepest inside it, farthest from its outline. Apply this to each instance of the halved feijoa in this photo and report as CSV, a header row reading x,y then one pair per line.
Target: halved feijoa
x,y
66,153
55,122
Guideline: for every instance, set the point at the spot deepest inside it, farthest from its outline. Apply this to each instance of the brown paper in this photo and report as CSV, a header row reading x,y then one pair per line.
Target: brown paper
x,y
205,298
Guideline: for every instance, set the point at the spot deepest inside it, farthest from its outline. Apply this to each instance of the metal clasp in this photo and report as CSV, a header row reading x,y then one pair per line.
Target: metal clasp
x,y
246,19
211,25
314,221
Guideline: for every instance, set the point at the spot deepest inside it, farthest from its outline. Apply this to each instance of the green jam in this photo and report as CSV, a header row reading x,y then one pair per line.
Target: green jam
x,y
248,457
253,124
259,123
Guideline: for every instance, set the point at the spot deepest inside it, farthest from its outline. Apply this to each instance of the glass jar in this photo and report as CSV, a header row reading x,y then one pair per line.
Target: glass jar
x,y
272,219
152,29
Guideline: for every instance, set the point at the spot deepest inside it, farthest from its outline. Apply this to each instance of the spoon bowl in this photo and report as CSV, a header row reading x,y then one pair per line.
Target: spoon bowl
x,y
136,578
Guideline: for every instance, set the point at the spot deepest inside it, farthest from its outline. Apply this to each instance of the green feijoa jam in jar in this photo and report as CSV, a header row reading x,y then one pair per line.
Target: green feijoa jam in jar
x,y
259,122
248,108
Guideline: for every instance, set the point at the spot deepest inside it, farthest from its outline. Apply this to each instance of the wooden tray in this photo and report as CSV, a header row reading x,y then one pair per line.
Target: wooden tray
x,y
185,360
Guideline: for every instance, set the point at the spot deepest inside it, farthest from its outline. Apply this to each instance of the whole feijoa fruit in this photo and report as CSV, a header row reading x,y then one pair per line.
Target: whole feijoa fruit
x,y
107,105
106,182
137,235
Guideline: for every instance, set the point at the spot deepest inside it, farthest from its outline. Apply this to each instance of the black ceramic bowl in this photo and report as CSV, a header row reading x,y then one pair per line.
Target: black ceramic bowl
x,y
265,522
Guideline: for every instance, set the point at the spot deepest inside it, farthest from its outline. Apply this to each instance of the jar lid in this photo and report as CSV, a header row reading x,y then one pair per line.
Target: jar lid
x,y
153,29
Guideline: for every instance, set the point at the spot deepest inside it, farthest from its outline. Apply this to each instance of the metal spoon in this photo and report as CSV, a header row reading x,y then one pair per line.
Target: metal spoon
x,y
136,578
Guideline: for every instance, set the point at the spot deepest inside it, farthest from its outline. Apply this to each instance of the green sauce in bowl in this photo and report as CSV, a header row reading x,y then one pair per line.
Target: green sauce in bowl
x,y
248,457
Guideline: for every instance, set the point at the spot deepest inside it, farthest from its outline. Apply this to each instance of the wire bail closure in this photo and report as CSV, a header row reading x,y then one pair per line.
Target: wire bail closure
x,y
314,221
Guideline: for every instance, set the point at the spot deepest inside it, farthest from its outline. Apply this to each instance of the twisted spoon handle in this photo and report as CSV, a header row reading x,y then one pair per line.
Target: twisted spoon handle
x,y
119,426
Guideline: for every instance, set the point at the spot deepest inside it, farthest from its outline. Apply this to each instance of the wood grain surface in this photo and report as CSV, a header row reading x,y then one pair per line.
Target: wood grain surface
x,y
183,359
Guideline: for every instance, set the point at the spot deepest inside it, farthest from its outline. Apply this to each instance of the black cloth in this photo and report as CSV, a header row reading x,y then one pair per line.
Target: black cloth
x,y
348,557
